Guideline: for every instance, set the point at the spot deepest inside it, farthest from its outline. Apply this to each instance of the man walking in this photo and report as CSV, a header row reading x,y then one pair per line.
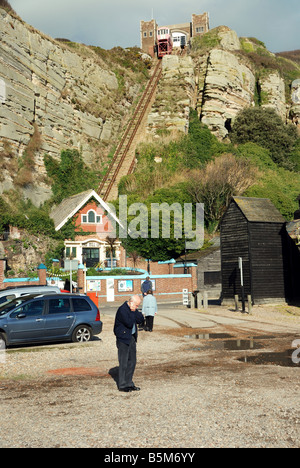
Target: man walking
x,y
126,331
147,284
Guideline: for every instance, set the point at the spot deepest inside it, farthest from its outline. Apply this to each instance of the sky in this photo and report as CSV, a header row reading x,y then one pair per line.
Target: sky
x,y
111,23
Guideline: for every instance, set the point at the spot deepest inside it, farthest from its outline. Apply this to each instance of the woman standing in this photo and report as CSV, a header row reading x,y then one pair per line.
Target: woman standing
x,y
149,309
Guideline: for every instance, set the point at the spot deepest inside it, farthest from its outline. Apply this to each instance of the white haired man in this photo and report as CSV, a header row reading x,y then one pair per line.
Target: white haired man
x,y
126,331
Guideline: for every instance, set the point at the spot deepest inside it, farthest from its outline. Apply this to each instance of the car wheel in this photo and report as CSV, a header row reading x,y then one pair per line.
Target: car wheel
x,y
81,334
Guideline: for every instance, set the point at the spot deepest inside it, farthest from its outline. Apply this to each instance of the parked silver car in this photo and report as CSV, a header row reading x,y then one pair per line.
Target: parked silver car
x,y
7,295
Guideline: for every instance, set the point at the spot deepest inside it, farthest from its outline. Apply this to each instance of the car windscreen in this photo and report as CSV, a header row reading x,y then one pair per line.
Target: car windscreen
x,y
6,298
7,307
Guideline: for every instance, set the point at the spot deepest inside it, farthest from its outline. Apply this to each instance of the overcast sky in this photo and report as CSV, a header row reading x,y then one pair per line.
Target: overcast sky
x,y
110,23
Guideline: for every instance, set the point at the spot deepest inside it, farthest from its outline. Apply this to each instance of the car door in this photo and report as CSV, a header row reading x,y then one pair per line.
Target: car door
x,y
26,323
59,318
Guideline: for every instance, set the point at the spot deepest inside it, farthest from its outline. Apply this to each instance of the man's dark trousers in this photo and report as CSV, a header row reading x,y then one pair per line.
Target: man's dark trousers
x,y
127,362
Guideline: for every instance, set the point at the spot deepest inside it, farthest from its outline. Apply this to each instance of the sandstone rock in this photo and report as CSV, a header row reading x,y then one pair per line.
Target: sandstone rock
x,y
273,94
229,87
228,39
43,82
175,95
74,99
295,109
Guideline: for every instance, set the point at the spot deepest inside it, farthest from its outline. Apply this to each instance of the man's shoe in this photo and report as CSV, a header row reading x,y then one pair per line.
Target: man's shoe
x,y
135,389
126,389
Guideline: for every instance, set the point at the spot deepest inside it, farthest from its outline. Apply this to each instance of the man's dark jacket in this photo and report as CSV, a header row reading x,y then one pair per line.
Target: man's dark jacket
x,y
146,286
125,319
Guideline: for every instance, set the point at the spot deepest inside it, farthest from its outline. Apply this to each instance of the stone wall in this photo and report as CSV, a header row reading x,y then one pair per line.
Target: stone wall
x,y
41,280
167,287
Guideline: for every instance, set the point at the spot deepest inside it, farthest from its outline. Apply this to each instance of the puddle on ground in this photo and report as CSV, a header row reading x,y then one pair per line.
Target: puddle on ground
x,y
283,359
208,336
222,344
230,345
217,341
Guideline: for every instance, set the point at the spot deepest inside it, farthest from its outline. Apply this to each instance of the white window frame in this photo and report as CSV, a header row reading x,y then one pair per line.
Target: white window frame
x,y
98,218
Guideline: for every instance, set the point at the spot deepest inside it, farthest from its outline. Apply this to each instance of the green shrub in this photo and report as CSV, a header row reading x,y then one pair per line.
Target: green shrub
x,y
70,175
265,128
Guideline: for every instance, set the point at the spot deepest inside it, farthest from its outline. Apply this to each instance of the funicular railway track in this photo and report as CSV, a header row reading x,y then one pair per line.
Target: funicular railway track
x,y
118,168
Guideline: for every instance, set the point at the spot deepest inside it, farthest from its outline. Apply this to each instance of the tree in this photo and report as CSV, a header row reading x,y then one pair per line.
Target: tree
x,y
168,244
135,257
111,241
265,128
221,179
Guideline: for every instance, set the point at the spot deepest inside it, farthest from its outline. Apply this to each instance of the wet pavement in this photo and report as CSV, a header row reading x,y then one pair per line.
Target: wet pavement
x,y
223,330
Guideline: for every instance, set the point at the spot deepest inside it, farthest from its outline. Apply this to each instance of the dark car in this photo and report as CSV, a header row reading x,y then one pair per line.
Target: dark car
x,y
39,318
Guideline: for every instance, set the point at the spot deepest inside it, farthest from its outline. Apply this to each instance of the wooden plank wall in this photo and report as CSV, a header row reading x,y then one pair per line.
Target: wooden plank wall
x,y
234,244
266,250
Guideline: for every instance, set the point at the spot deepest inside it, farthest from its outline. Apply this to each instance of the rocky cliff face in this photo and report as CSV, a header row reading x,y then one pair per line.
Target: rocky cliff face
x,y
174,97
226,87
54,97
64,99
219,81
295,109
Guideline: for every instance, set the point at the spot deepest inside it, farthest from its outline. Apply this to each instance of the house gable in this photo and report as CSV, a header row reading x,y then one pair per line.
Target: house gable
x,y
92,218
69,207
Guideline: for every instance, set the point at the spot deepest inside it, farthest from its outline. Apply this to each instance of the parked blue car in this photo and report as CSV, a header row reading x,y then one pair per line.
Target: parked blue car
x,y
55,317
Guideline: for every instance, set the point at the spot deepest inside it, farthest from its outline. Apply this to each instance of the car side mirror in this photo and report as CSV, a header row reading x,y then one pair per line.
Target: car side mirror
x,y
21,315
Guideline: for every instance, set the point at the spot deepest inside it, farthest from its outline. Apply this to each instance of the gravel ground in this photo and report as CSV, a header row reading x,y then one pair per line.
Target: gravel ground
x,y
195,391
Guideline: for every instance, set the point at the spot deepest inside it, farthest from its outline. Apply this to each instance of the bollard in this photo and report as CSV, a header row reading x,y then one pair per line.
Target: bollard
x,y
205,300
249,304
200,301
236,301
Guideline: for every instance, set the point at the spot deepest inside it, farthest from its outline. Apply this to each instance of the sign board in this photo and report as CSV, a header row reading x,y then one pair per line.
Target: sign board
x,y
93,285
110,289
2,91
185,297
125,285
71,265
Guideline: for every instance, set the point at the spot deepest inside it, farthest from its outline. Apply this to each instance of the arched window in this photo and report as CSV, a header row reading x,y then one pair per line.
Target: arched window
x,y
91,217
